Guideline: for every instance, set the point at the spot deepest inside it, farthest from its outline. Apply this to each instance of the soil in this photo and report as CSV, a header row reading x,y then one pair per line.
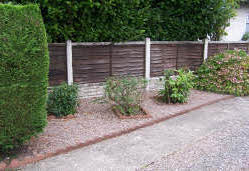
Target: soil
x,y
142,114
94,120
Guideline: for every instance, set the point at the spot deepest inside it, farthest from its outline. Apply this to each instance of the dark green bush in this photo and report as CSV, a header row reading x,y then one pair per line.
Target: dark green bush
x,y
63,100
245,36
127,20
24,64
126,93
177,85
226,72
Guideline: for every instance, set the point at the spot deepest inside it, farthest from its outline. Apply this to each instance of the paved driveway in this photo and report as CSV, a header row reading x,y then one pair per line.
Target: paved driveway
x,y
215,137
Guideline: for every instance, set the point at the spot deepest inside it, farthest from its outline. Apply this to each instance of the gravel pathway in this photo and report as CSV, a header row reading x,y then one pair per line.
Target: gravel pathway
x,y
97,120
214,137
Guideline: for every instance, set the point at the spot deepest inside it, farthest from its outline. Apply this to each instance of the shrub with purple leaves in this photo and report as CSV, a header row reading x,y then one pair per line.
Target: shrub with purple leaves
x,y
226,73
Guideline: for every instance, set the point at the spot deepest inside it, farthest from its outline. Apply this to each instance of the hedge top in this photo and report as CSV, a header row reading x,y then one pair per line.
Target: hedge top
x,y
23,45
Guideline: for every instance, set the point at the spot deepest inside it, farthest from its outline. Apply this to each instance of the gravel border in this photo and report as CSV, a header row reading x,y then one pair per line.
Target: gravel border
x,y
96,122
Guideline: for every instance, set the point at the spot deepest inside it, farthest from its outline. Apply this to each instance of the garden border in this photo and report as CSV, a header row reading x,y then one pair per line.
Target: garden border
x,y
138,116
28,160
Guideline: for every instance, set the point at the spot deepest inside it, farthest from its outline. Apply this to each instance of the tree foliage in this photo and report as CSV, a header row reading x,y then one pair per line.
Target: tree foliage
x,y
119,20
191,19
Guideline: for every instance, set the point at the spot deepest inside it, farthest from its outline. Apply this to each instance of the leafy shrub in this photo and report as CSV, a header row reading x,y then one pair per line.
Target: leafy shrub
x,y
24,64
177,85
245,36
226,72
126,93
63,100
124,20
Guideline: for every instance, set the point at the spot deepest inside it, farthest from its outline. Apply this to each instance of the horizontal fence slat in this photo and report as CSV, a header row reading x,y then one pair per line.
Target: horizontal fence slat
x,y
95,61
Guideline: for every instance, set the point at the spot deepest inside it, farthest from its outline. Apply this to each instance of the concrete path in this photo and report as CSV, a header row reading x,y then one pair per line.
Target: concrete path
x,y
215,137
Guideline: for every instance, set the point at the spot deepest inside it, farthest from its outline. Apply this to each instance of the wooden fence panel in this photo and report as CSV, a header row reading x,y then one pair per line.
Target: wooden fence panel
x,y
170,53
217,47
163,56
243,46
175,56
90,63
128,60
189,56
95,62
58,64
156,63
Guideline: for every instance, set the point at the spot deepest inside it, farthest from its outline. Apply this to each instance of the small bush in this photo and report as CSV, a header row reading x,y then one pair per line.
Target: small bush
x,y
177,85
24,65
245,36
63,100
126,93
226,72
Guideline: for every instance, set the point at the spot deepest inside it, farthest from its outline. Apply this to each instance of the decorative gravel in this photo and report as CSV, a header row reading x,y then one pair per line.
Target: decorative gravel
x,y
96,120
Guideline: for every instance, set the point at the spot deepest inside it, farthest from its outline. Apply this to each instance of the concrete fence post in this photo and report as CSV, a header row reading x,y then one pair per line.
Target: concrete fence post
x,y
147,60
69,63
205,52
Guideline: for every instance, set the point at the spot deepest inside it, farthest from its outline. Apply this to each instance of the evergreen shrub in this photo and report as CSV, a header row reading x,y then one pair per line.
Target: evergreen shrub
x,y
245,37
63,100
24,64
132,20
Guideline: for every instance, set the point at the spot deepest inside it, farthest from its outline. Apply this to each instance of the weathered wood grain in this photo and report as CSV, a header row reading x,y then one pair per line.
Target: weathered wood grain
x,y
95,62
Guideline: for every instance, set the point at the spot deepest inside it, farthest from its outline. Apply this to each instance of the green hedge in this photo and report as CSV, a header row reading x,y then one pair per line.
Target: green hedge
x,y
24,65
126,20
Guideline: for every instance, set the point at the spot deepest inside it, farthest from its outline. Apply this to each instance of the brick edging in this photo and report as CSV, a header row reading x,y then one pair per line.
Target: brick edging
x,y
28,160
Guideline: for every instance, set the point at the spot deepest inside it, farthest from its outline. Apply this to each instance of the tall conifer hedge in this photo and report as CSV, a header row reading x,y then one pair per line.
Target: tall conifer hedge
x,y
24,65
